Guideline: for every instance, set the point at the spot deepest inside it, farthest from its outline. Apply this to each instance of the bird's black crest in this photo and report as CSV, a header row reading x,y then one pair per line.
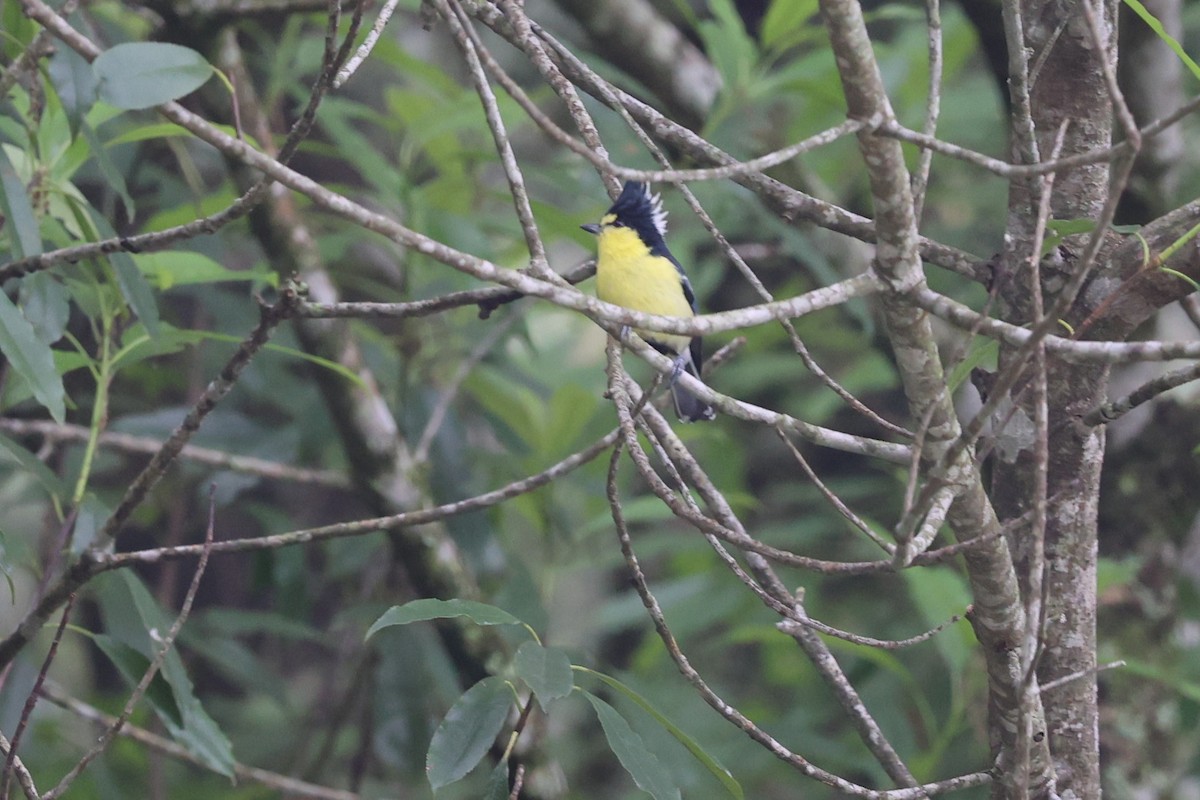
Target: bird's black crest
x,y
641,210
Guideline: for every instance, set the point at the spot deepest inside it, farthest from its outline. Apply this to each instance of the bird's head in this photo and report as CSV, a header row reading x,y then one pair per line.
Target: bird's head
x,y
637,210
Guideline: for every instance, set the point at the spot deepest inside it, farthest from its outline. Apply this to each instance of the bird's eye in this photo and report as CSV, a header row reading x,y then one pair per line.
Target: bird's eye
x,y
618,224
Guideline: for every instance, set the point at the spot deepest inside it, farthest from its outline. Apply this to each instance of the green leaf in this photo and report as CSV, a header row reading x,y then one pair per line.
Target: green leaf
x,y
433,608
198,731
185,268
468,731
115,179
6,569
571,409
710,763
547,670
89,520
1170,40
1059,229
134,288
133,665
75,83
731,49
46,303
647,771
140,75
34,466
786,21
497,785
172,339
152,130
133,617
168,130
31,358
939,594
26,237
982,350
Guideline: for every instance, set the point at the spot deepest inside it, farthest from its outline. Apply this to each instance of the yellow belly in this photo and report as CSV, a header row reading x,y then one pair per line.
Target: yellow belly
x,y
627,275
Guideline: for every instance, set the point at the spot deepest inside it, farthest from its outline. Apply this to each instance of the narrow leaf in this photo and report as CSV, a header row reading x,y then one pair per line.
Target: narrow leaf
x,y
547,670
26,237
46,303
116,180
131,614
31,358
75,83
432,608
497,785
132,665
468,731
34,466
140,75
184,268
645,768
134,287
1167,38
710,763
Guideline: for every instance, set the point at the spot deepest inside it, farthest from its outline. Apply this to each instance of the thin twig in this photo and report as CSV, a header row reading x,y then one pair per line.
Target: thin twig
x,y
364,50
280,783
27,712
835,501
1034,600
933,29
1058,683
466,365
1018,84
24,779
400,522
726,710
129,443
518,782
166,643
461,31
1070,350
620,388
1110,412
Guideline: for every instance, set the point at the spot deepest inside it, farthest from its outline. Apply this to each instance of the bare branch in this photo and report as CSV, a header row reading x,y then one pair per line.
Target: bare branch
x,y
400,522
130,443
1110,412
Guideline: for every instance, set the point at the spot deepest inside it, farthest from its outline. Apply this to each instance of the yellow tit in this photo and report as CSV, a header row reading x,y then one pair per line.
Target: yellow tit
x,y
635,269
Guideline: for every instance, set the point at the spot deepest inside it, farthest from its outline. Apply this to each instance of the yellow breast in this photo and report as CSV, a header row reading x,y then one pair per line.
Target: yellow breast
x,y
628,275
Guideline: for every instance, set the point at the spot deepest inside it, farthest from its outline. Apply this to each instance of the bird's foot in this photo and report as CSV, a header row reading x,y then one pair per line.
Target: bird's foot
x,y
681,361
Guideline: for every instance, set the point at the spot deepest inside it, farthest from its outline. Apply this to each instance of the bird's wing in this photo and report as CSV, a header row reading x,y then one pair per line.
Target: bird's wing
x,y
683,278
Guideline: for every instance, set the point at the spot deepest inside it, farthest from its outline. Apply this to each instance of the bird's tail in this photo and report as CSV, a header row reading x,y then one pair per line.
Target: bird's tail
x,y
688,407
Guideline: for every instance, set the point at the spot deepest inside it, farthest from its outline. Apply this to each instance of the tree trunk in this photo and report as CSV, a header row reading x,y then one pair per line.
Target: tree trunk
x,y
1066,82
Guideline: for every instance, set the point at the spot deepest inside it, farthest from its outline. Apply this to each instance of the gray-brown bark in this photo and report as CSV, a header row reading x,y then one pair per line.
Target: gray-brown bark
x,y
1059,42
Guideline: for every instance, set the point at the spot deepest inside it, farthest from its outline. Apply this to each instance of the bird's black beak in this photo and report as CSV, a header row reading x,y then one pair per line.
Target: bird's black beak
x,y
591,228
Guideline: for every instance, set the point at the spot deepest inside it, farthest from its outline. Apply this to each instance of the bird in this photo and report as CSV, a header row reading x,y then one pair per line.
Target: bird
x,y
634,269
